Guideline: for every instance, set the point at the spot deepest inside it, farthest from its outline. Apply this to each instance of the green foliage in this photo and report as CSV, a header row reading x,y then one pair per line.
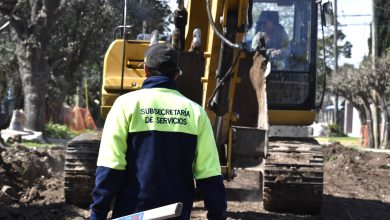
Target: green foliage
x,y
81,38
156,12
58,131
388,95
76,46
8,62
327,66
382,19
335,131
344,49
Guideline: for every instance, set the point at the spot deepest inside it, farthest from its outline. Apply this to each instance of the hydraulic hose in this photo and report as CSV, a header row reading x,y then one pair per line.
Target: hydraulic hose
x,y
324,59
223,80
223,38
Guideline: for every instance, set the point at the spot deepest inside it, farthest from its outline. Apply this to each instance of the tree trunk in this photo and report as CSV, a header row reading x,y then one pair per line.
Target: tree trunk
x,y
375,122
34,73
31,34
385,134
367,109
362,113
363,121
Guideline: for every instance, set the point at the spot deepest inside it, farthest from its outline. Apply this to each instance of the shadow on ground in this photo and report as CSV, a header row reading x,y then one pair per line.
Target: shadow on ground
x,y
333,208
43,212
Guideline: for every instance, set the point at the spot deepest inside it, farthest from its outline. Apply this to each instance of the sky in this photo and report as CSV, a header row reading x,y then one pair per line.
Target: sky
x,y
356,28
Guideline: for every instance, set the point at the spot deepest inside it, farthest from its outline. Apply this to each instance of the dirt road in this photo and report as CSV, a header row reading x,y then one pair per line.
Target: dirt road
x,y
357,186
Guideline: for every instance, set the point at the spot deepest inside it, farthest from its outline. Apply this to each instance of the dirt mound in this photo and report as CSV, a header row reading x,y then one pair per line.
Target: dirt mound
x,y
356,186
357,174
32,184
31,175
356,183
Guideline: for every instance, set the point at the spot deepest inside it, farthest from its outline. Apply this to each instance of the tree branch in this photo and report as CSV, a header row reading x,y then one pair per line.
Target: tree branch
x,y
19,25
46,15
64,56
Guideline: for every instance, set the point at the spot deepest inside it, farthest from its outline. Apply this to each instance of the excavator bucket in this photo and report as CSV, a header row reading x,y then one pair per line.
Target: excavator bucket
x,y
292,171
249,139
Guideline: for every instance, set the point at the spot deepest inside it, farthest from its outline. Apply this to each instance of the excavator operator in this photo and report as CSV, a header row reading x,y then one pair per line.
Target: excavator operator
x,y
276,37
154,144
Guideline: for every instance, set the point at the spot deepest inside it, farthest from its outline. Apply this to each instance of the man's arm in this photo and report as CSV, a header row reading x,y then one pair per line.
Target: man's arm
x,y
285,42
111,163
108,182
207,172
214,196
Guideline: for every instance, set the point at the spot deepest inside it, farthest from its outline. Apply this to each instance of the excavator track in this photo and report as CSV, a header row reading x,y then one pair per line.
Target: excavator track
x,y
293,176
80,168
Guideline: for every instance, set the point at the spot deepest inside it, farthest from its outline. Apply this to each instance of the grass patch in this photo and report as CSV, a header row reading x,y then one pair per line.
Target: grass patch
x,y
335,131
32,143
53,130
346,141
27,143
338,139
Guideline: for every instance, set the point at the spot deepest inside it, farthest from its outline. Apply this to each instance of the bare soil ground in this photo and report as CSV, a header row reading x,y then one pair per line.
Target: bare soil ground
x,y
357,186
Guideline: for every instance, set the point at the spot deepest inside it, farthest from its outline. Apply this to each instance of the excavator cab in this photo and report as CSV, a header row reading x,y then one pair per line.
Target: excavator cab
x,y
292,85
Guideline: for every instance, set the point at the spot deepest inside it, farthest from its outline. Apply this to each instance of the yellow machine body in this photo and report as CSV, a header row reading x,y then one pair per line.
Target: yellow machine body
x,y
134,74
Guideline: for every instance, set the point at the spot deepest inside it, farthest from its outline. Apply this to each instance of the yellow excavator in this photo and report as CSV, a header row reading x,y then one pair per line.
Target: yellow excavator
x,y
252,65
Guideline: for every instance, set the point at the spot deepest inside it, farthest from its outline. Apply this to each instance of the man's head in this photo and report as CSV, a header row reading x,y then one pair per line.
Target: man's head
x,y
268,19
161,60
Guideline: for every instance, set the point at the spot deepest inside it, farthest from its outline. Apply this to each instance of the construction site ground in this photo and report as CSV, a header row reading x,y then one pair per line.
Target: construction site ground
x,y
357,186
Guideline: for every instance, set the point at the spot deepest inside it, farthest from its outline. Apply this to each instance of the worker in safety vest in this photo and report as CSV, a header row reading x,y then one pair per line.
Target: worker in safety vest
x,y
155,142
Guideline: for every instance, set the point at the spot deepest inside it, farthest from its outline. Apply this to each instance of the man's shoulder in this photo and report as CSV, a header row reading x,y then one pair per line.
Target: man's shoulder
x,y
280,29
197,109
129,99
195,106
131,95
